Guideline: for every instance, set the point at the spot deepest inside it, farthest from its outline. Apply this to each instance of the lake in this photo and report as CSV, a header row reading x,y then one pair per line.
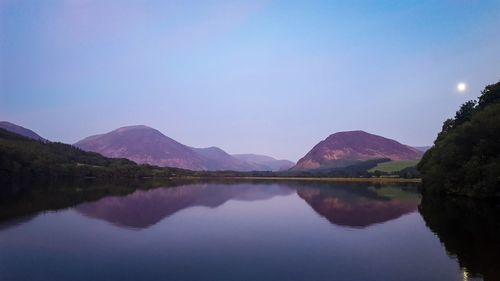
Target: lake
x,y
247,231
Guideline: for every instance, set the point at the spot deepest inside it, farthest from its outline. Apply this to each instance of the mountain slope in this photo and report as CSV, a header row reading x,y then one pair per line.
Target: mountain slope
x,y
265,163
20,130
24,160
345,148
144,145
216,159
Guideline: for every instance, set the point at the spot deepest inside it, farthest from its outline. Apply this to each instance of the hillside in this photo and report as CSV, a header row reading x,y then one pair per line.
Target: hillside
x,y
465,158
24,160
265,163
346,148
144,145
216,159
20,130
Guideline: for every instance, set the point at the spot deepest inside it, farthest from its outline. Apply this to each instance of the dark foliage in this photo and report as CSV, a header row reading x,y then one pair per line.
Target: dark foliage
x,y
27,164
406,173
24,160
465,158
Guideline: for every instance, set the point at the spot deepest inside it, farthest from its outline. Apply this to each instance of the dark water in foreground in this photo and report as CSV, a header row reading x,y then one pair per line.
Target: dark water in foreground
x,y
248,231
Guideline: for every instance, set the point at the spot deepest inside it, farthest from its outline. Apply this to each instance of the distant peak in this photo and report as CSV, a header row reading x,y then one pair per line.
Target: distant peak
x,y
11,127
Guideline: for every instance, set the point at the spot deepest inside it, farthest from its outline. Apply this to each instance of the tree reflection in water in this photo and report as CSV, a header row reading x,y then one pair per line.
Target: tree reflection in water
x,y
469,230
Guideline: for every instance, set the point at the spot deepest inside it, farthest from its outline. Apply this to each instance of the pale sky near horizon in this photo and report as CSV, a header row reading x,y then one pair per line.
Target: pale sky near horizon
x,y
267,77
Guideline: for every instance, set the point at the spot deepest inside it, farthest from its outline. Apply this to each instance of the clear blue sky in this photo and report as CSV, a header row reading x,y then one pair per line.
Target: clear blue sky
x,y
270,77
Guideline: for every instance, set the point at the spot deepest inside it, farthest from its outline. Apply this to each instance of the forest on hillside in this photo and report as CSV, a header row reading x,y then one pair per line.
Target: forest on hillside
x,y
24,160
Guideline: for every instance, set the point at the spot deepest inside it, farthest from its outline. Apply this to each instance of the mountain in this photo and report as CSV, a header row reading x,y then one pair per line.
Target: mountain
x,y
20,131
265,163
346,148
144,145
216,159
28,161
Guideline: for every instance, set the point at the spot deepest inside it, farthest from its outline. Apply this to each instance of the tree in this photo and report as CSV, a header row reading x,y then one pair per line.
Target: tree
x,y
465,158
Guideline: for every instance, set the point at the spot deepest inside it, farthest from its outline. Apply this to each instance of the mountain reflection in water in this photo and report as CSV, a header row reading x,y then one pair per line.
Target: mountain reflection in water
x,y
359,206
256,230
350,205
142,209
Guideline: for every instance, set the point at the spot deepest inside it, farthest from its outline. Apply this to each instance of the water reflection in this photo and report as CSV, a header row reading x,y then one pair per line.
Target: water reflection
x,y
469,230
358,205
143,209
253,230
351,205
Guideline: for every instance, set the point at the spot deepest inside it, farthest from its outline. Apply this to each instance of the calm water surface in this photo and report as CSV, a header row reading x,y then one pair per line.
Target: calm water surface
x,y
240,231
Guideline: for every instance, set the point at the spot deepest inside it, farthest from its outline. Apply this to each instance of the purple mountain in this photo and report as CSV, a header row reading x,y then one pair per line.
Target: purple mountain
x,y
216,159
145,145
344,148
265,163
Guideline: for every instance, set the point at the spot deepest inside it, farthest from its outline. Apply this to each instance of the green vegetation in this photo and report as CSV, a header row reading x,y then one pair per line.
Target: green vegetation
x,y
354,169
31,163
24,160
394,166
465,158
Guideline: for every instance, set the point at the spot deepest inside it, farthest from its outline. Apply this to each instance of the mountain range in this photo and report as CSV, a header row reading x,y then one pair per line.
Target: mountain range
x,y
146,145
265,163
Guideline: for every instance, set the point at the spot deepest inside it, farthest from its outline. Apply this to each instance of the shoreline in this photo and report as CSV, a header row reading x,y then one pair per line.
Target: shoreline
x,y
332,179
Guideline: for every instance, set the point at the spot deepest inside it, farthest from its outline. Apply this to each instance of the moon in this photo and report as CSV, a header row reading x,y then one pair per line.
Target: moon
x,y
461,87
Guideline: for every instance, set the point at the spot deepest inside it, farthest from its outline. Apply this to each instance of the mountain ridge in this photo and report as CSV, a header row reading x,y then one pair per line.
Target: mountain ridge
x,y
267,163
345,148
143,145
20,130
146,145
